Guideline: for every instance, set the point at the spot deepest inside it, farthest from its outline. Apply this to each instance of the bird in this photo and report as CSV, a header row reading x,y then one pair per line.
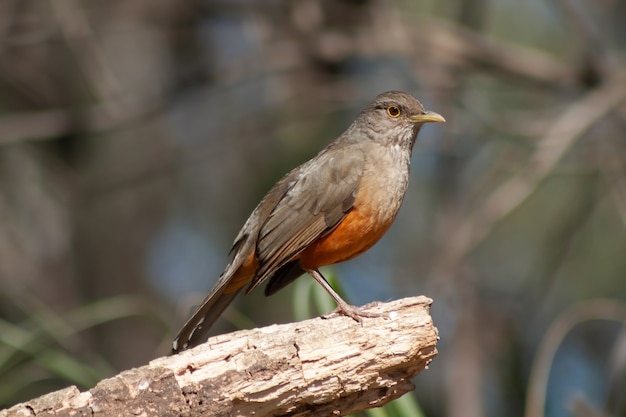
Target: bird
x,y
330,209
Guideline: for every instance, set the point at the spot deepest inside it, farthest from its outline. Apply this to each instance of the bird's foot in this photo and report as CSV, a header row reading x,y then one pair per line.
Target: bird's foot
x,y
355,313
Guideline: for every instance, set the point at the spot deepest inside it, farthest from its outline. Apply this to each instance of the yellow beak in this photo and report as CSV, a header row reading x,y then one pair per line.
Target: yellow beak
x,y
428,117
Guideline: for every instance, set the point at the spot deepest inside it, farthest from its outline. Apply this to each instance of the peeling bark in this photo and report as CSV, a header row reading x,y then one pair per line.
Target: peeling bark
x,y
323,366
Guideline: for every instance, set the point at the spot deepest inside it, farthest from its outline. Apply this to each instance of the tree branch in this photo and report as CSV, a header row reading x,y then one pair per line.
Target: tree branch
x,y
331,366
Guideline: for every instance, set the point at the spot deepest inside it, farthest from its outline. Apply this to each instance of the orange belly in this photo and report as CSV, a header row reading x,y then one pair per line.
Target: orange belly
x,y
356,233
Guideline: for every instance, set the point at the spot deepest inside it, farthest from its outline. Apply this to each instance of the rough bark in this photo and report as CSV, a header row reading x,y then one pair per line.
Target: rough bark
x,y
319,367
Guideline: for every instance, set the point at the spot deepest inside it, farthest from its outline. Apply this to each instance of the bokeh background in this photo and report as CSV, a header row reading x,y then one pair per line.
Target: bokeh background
x,y
137,136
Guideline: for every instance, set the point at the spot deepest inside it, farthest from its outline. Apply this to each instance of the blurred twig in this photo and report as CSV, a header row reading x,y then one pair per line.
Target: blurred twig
x,y
419,38
24,23
449,44
613,166
596,54
33,125
560,137
440,41
560,327
78,35
51,124
566,129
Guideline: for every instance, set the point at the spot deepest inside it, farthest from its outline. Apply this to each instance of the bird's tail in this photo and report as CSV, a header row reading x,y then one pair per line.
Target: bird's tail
x,y
197,327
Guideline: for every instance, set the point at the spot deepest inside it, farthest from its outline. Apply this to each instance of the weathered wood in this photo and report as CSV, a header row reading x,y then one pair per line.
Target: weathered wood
x,y
318,367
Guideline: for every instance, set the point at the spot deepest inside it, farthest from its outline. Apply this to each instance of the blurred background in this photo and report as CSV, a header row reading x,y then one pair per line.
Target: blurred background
x,y
137,137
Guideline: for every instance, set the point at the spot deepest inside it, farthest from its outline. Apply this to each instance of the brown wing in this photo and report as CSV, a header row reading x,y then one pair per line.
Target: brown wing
x,y
318,197
307,203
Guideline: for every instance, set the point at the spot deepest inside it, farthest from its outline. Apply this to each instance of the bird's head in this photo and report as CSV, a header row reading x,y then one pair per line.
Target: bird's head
x,y
396,117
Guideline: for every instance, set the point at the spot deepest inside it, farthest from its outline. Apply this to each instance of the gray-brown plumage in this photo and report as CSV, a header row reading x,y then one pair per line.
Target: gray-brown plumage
x,y
329,209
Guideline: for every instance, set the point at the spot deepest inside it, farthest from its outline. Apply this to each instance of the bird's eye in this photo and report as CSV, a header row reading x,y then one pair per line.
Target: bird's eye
x,y
393,111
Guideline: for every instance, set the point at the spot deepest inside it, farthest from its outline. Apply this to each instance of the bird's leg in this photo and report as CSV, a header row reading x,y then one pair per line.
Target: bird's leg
x,y
354,312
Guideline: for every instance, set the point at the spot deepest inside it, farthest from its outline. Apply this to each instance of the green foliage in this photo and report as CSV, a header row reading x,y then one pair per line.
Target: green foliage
x,y
47,350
